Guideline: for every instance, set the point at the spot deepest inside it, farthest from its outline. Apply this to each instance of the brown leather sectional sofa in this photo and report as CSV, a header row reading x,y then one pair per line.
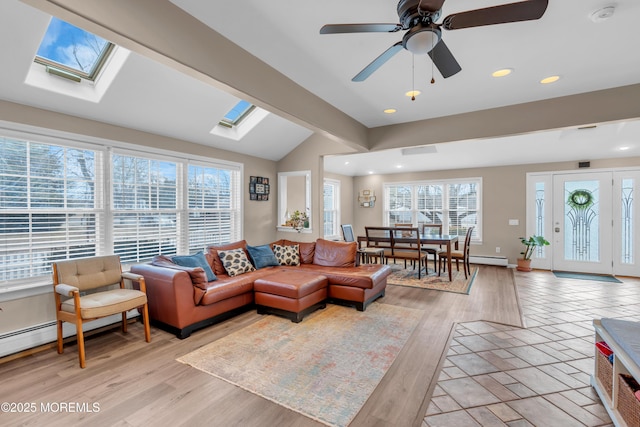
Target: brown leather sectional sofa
x,y
181,300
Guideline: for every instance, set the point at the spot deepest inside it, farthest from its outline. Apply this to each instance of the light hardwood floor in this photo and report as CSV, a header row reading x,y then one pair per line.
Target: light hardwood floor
x,y
135,383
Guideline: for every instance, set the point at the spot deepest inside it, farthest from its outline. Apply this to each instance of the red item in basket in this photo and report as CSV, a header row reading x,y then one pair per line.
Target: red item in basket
x,y
604,348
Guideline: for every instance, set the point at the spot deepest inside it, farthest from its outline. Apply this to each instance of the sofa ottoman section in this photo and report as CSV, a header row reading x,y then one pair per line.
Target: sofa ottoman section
x,y
291,294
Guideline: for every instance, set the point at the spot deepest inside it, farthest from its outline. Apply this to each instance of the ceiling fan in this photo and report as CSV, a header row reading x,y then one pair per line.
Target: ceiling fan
x,y
423,35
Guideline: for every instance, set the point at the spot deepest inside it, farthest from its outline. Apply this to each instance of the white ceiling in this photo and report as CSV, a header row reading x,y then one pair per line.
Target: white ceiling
x,y
285,34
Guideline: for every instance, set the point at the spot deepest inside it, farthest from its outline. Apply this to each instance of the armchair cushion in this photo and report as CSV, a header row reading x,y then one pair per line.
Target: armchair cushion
x,y
105,303
262,256
196,260
235,262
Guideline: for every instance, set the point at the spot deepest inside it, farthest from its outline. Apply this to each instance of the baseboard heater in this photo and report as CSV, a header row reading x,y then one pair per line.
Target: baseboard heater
x,y
44,333
489,260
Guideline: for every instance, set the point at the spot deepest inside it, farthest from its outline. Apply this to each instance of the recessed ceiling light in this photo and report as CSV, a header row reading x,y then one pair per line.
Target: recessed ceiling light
x,y
550,79
623,148
602,14
346,163
399,166
413,93
370,172
503,72
389,110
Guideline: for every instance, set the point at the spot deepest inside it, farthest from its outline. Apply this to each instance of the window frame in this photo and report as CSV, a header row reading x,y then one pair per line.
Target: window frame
x,y
335,212
34,285
413,211
62,70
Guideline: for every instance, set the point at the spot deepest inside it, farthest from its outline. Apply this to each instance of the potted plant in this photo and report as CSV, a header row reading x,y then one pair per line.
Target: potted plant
x,y
298,220
524,263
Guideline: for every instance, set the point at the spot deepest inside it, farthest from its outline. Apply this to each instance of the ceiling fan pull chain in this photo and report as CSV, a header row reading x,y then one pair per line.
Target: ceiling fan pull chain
x,y
433,61
413,76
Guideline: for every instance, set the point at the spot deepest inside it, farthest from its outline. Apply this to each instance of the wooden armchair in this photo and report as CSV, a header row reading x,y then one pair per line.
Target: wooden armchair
x,y
74,278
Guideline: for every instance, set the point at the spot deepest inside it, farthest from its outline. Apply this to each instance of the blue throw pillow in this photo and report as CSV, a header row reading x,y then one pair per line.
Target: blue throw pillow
x,y
196,260
262,256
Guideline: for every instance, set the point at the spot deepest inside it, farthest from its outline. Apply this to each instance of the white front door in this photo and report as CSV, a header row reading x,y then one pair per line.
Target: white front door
x,y
583,222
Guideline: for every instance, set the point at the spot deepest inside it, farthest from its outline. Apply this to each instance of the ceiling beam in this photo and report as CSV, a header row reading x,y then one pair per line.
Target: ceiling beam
x,y
165,33
609,105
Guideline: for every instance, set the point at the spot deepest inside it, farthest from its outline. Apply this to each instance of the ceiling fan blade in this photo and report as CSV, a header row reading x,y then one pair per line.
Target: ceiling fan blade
x,y
378,62
431,5
511,12
360,28
444,60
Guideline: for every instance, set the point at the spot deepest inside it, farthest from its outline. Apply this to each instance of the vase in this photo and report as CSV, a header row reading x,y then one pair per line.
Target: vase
x,y
524,265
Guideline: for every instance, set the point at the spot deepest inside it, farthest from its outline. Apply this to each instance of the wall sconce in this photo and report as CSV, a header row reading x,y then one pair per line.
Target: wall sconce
x,y
366,198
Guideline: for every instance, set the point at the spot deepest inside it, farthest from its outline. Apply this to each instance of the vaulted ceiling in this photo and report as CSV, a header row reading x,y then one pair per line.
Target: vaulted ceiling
x,y
183,74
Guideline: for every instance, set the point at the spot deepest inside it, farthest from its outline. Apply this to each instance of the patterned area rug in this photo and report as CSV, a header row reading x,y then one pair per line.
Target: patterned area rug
x,y
409,277
324,367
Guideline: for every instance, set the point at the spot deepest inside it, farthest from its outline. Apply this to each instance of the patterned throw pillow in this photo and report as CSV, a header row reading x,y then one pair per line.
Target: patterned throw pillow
x,y
287,255
235,261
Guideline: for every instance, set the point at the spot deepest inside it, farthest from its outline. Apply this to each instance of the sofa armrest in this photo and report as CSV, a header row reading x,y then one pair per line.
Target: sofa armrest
x,y
170,292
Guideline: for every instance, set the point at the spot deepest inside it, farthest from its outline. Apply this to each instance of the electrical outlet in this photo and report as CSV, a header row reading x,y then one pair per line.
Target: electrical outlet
x,y
497,249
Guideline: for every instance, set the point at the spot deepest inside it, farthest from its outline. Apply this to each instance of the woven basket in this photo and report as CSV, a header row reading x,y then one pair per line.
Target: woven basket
x,y
628,405
605,372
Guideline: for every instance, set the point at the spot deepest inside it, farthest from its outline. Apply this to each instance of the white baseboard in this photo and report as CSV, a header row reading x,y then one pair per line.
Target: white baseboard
x,y
44,333
489,260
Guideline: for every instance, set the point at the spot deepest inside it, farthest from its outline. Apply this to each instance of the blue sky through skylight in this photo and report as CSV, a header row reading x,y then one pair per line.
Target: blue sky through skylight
x,y
237,111
71,46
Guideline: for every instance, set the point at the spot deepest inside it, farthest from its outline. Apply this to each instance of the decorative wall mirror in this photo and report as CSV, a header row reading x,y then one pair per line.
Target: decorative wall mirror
x,y
294,201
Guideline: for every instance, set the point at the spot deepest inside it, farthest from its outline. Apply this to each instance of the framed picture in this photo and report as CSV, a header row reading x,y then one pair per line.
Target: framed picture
x,y
260,188
253,179
365,205
253,196
366,192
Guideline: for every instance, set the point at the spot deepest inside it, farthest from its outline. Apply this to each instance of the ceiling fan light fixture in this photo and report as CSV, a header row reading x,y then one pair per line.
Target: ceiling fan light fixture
x,y
420,40
413,93
502,72
389,111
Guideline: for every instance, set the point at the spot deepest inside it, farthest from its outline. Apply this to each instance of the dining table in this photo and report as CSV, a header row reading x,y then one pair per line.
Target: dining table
x,y
448,241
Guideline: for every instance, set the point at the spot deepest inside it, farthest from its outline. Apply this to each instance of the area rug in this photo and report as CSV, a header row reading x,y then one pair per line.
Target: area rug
x,y
585,276
324,367
409,277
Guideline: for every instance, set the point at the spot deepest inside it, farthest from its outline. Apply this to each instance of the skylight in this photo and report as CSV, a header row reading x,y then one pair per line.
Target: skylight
x,y
71,52
237,113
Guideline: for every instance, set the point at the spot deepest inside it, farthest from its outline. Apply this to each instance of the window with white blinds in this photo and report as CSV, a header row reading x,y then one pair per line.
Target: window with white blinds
x,y
214,215
456,204
60,201
331,199
144,207
48,208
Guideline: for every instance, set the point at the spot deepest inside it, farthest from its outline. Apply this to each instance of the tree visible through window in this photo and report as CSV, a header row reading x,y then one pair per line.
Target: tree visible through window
x,y
73,50
454,204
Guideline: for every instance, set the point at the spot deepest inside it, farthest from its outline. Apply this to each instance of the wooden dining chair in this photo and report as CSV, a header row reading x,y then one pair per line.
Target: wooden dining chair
x,y
458,256
432,229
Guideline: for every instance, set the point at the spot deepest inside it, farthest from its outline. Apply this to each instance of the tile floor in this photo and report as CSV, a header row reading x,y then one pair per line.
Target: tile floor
x,y
500,375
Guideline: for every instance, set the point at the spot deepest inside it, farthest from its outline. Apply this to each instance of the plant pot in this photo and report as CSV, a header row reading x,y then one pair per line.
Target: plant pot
x,y
524,265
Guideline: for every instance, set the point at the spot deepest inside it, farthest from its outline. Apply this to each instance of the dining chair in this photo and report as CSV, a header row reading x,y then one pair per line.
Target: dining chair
x,y
432,229
86,285
458,255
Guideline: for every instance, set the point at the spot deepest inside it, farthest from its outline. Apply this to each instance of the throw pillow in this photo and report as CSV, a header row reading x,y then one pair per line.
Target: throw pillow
x,y
235,262
196,260
262,256
287,255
